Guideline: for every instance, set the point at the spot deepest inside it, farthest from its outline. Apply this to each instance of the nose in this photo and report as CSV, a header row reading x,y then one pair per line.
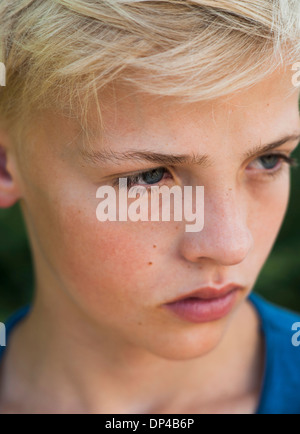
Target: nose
x,y
225,238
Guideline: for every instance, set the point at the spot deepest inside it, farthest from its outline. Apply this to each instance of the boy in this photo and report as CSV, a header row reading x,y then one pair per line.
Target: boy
x,y
143,316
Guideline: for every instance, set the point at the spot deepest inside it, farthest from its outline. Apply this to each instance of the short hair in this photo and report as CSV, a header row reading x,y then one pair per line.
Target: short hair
x,y
60,53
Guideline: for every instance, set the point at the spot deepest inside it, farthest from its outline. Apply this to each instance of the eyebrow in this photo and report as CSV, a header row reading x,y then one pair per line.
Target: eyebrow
x,y
115,157
262,149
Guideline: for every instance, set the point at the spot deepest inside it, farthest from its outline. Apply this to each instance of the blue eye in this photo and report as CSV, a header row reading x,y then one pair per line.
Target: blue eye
x,y
269,162
149,177
153,176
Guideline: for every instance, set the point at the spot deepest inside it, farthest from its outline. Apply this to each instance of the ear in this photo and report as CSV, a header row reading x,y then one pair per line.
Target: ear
x,y
9,192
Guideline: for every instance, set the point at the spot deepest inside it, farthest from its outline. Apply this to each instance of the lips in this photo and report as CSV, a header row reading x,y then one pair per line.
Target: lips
x,y
205,304
209,292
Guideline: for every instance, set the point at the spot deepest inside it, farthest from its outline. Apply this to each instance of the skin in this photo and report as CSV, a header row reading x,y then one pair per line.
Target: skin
x,y
98,339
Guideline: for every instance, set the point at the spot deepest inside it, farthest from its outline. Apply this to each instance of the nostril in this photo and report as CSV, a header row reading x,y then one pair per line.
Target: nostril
x,y
3,172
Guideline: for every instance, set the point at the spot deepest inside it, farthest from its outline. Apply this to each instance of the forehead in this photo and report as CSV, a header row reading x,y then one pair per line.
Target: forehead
x,y
130,116
260,114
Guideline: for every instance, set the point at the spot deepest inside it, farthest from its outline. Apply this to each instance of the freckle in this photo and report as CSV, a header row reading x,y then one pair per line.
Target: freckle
x,y
149,263
154,246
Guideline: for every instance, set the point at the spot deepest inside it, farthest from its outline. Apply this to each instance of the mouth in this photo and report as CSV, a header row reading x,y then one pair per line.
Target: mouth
x,y
205,304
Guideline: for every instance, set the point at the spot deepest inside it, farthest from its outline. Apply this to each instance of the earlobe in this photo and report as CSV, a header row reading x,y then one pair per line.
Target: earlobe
x,y
9,194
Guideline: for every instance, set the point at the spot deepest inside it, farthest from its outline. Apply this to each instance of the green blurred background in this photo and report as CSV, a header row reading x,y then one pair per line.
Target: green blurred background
x,y
279,280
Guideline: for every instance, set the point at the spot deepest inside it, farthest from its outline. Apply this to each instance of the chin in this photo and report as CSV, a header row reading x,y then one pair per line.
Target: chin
x,y
190,344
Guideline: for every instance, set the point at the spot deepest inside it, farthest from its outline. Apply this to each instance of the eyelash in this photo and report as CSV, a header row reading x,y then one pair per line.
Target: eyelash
x,y
133,179
282,158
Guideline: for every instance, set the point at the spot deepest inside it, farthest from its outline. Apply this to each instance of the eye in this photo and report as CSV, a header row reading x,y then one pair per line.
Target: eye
x,y
267,162
149,177
271,163
153,176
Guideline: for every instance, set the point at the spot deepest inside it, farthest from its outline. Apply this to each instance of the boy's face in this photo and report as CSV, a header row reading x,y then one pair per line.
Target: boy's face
x,y
121,274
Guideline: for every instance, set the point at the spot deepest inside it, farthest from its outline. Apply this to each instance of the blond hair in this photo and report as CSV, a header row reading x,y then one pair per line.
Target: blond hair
x,y
60,53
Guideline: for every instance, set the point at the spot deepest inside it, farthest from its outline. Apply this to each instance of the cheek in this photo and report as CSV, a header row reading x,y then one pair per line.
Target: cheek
x,y
102,259
101,253
93,259
268,208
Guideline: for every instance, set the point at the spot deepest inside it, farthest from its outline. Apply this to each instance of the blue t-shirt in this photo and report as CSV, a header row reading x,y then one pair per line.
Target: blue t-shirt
x,y
280,392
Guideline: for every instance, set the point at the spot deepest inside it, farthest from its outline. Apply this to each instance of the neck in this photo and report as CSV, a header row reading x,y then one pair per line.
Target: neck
x,y
75,366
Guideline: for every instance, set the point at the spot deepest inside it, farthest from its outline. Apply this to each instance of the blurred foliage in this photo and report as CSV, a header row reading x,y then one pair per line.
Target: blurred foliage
x,y
16,276
279,280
